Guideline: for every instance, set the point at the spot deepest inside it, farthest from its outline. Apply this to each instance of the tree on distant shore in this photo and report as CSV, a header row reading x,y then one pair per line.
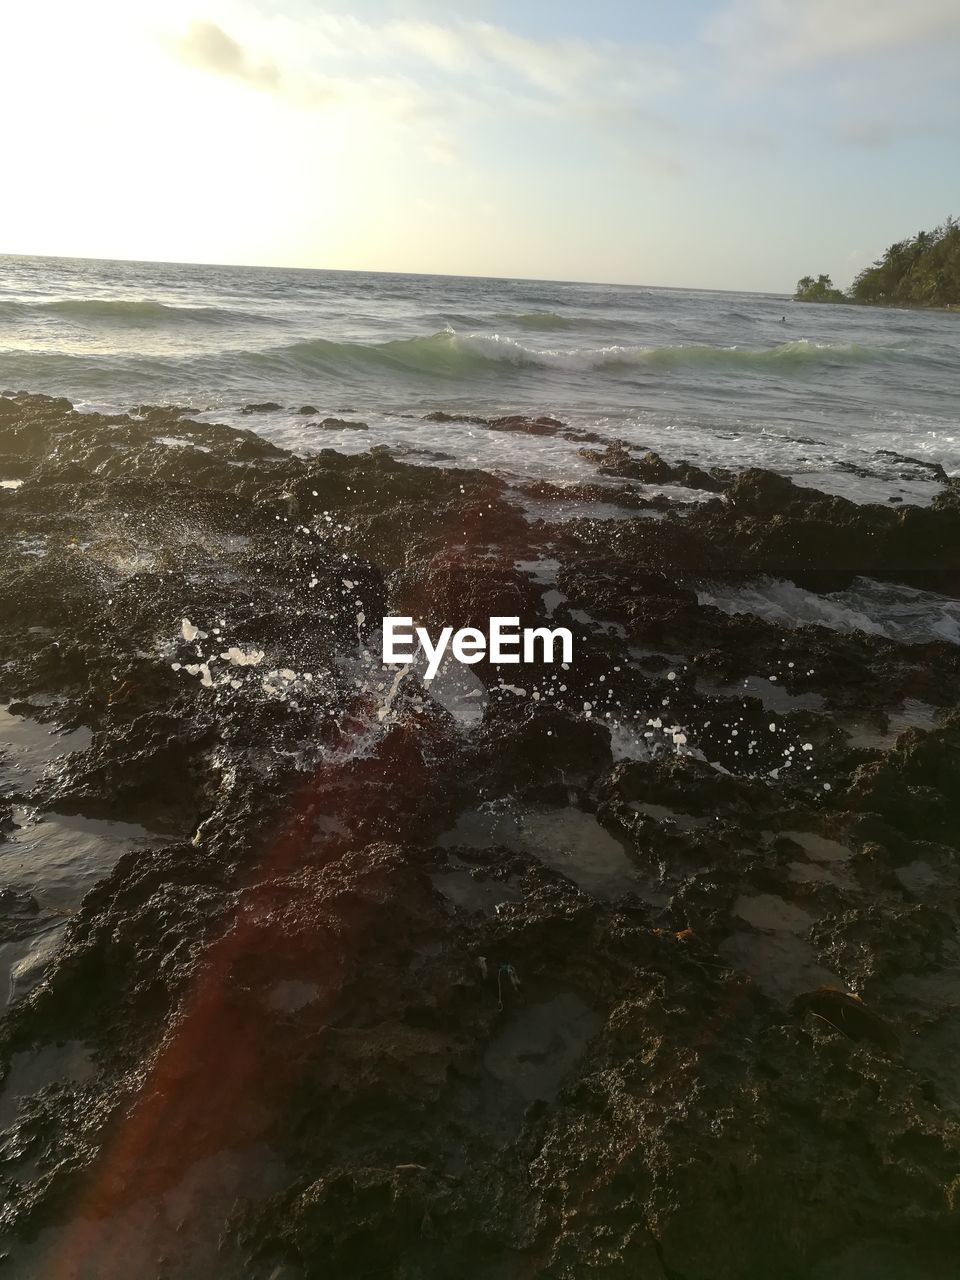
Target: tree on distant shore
x,y
819,290
922,272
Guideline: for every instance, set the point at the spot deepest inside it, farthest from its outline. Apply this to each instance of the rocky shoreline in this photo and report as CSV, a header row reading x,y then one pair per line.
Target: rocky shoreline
x,y
645,968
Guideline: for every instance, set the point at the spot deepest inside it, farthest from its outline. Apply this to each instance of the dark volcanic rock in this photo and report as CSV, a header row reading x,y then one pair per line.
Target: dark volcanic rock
x,y
441,416
449,590
617,460
933,470
528,426
643,965
342,424
948,499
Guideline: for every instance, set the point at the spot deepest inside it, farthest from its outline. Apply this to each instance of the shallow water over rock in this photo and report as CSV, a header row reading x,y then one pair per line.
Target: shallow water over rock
x,y
566,839
59,857
466,888
35,1069
28,748
538,1047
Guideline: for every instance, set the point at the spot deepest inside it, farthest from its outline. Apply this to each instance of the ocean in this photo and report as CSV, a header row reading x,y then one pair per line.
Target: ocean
x,y
316,965
824,394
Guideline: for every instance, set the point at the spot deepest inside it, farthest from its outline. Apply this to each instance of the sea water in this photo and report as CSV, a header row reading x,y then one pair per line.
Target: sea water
x,y
822,393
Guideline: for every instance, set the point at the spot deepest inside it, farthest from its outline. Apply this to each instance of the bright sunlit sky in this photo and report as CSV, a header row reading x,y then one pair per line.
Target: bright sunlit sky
x,y
716,143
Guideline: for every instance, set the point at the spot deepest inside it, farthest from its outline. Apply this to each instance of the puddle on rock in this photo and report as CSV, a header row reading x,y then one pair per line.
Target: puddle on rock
x,y
461,887
600,626
60,857
28,748
544,574
541,1044
920,879
24,963
630,742
771,694
819,848
781,964
914,714
769,912
661,813
811,873
35,1069
776,956
568,840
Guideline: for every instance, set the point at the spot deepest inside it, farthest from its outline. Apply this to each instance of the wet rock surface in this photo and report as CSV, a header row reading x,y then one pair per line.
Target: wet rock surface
x,y
645,967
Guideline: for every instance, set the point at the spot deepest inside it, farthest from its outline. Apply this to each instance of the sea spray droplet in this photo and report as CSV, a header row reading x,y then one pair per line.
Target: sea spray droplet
x,y
190,632
243,658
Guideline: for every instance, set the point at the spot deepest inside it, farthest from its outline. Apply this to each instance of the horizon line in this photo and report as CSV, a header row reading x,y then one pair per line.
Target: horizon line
x,y
367,271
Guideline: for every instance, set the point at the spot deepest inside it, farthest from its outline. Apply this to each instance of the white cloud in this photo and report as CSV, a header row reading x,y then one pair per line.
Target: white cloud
x,y
551,66
208,47
450,64
796,33
429,81
445,47
577,70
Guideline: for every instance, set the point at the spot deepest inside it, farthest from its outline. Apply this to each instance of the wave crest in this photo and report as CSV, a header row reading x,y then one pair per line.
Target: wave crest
x,y
453,354
124,311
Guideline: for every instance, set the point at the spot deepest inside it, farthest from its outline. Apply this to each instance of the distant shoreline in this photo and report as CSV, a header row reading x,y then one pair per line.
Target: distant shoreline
x,y
887,306
918,274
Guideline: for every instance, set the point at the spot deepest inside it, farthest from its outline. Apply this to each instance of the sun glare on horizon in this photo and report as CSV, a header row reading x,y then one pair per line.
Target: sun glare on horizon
x,y
620,145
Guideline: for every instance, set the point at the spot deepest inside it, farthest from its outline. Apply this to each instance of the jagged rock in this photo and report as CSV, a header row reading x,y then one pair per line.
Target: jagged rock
x,y
617,460
394,990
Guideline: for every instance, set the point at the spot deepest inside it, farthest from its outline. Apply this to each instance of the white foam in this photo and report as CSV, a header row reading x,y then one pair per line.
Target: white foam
x,y
890,610
238,657
191,633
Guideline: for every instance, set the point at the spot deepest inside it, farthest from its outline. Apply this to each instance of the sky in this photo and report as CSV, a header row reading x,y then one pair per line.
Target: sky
x,y
729,144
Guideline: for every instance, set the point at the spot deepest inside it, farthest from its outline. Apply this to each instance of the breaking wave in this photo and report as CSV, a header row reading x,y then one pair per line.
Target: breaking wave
x,y
890,610
124,311
451,354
